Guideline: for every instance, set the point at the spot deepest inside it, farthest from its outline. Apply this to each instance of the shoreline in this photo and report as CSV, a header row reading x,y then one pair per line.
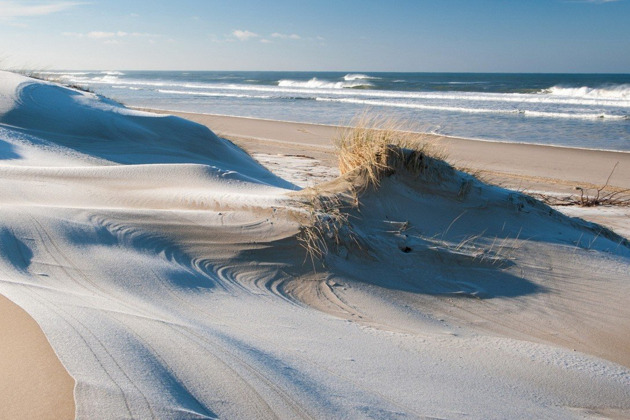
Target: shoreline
x,y
534,169
339,126
521,166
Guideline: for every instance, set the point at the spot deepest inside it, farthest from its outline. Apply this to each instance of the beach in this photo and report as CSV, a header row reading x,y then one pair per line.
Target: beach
x,y
526,167
163,265
552,170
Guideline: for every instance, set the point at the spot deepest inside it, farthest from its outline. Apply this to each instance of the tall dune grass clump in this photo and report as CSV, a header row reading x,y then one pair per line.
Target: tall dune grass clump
x,y
369,150
379,146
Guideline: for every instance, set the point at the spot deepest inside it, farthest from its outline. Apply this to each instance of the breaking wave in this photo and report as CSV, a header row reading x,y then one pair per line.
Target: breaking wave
x,y
315,83
212,94
350,77
619,92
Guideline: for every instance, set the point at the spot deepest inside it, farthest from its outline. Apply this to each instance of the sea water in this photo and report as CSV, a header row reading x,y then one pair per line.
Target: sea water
x,y
576,110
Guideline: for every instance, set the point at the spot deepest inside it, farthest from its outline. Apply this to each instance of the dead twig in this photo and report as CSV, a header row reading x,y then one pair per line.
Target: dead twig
x,y
602,196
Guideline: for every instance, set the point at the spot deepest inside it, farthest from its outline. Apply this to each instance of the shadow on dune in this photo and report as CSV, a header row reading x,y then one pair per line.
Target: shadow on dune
x,y
17,253
7,151
440,232
422,271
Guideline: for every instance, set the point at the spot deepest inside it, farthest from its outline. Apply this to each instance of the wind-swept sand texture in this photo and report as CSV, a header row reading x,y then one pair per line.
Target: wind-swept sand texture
x,y
163,264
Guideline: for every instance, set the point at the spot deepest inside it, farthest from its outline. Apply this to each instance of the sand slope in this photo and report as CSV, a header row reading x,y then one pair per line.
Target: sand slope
x,y
162,264
34,384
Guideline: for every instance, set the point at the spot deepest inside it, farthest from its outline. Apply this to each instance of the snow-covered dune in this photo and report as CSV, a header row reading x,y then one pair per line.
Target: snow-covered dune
x,y
163,265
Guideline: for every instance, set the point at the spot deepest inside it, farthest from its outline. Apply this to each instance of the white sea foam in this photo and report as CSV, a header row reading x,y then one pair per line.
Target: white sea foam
x,y
317,87
212,94
357,76
560,96
621,91
337,89
315,83
108,78
64,73
476,110
576,116
463,83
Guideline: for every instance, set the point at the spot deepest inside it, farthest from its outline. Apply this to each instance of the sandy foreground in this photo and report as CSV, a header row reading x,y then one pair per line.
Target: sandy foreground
x,y
34,383
162,265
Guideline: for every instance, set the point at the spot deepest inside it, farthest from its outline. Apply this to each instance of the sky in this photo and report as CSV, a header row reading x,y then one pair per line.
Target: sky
x,y
576,36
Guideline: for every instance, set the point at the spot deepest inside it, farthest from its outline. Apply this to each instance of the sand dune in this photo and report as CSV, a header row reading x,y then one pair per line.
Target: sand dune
x,y
162,263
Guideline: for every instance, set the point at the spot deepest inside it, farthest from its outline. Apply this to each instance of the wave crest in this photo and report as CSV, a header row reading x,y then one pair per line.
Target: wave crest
x,y
620,92
315,83
350,77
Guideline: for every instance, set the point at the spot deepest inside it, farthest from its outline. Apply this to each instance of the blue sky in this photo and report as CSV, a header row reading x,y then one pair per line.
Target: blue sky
x,y
350,35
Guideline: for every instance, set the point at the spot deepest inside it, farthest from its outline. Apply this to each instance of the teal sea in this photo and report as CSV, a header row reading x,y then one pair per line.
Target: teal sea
x,y
575,110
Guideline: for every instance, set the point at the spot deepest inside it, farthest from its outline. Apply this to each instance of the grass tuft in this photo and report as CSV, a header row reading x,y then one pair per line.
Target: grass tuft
x,y
328,228
377,147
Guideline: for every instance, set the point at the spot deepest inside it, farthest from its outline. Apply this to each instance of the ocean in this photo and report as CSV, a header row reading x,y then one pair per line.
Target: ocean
x,y
576,110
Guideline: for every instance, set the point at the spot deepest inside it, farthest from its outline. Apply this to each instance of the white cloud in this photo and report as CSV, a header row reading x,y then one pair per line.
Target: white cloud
x,y
285,36
13,9
100,35
73,34
109,35
144,35
266,41
244,35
